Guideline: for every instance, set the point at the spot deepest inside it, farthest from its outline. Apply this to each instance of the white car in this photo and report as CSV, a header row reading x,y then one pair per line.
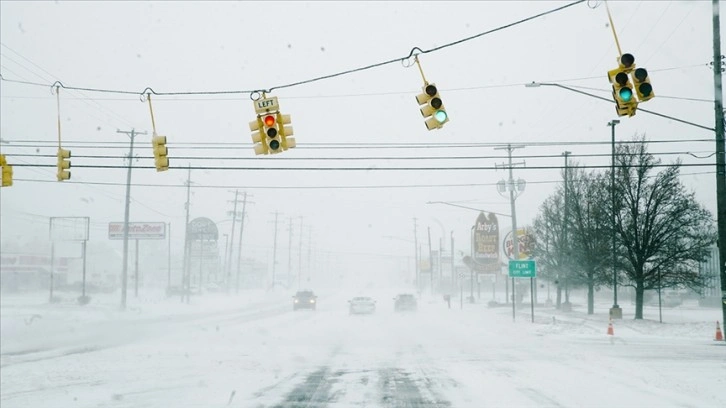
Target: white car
x,y
362,305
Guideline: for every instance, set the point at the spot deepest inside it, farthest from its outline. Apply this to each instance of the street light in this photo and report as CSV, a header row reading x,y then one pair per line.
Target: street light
x,y
615,312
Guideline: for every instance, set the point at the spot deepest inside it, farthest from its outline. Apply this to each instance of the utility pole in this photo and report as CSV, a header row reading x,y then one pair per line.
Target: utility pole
x,y
453,272
720,153
187,242
431,262
124,274
415,250
289,253
310,249
515,237
274,253
239,251
565,215
615,312
299,255
231,243
168,256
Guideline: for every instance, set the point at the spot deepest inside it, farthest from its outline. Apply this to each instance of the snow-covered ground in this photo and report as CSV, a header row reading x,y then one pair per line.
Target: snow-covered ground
x,y
252,350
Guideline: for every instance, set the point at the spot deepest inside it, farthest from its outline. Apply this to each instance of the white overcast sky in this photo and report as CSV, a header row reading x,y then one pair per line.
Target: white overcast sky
x,y
205,46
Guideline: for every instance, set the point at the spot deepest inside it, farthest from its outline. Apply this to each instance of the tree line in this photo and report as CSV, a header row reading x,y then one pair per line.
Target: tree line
x,y
659,231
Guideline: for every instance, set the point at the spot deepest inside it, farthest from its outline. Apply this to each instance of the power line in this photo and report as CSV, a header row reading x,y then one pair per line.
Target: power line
x,y
298,187
360,158
212,145
412,53
366,169
353,95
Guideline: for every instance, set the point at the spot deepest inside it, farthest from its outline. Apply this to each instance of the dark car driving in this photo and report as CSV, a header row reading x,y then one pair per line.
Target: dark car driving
x,y
405,302
304,299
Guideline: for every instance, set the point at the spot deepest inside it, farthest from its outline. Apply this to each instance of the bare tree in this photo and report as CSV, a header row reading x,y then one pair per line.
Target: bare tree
x,y
662,231
548,248
589,238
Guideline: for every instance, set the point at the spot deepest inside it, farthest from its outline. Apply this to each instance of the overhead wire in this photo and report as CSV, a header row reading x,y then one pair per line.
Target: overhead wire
x,y
360,158
415,51
316,187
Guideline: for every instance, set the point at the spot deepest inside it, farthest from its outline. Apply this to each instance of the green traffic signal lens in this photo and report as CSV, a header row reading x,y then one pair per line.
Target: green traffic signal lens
x,y
274,144
440,116
626,94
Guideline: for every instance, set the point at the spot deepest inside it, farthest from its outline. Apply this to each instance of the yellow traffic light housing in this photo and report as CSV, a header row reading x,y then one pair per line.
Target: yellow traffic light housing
x,y
7,172
269,132
161,159
623,94
288,142
64,164
432,108
642,85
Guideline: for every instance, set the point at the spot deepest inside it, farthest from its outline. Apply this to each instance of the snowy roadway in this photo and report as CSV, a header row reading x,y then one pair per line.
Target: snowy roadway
x,y
265,355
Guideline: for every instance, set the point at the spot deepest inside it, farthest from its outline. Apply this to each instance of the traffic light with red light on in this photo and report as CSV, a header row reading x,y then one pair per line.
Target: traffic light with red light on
x,y
64,164
7,172
270,127
161,159
432,108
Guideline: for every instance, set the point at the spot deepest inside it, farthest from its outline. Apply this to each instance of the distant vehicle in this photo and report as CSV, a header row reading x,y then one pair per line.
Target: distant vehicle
x,y
405,302
361,305
304,299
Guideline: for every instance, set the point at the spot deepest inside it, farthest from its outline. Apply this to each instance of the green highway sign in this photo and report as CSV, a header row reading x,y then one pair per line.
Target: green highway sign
x,y
522,269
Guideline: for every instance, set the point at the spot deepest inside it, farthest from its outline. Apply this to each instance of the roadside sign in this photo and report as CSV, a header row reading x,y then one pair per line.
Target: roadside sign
x,y
522,269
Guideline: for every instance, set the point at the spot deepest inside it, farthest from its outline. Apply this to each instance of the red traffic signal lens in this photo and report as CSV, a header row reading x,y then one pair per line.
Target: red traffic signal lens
x,y
269,120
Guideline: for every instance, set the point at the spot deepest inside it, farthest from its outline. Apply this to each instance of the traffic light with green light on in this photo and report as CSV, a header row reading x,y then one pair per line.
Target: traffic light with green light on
x,y
432,108
161,159
64,164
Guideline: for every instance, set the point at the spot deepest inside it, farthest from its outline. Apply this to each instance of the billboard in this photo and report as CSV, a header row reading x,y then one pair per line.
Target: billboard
x,y
526,242
486,238
138,230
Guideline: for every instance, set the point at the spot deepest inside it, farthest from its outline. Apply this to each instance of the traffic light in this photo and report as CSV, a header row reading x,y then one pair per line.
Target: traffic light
x,y
7,172
258,136
626,104
288,142
161,161
432,108
64,164
642,85
270,129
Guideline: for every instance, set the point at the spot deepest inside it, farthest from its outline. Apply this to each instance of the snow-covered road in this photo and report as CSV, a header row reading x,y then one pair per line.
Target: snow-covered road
x,y
266,355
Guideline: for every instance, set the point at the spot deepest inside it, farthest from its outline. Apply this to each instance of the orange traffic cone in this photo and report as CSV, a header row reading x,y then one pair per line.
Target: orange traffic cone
x,y
719,335
610,328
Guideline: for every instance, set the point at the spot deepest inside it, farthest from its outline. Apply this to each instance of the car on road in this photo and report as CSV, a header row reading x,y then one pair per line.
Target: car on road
x,y
361,305
405,302
304,299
